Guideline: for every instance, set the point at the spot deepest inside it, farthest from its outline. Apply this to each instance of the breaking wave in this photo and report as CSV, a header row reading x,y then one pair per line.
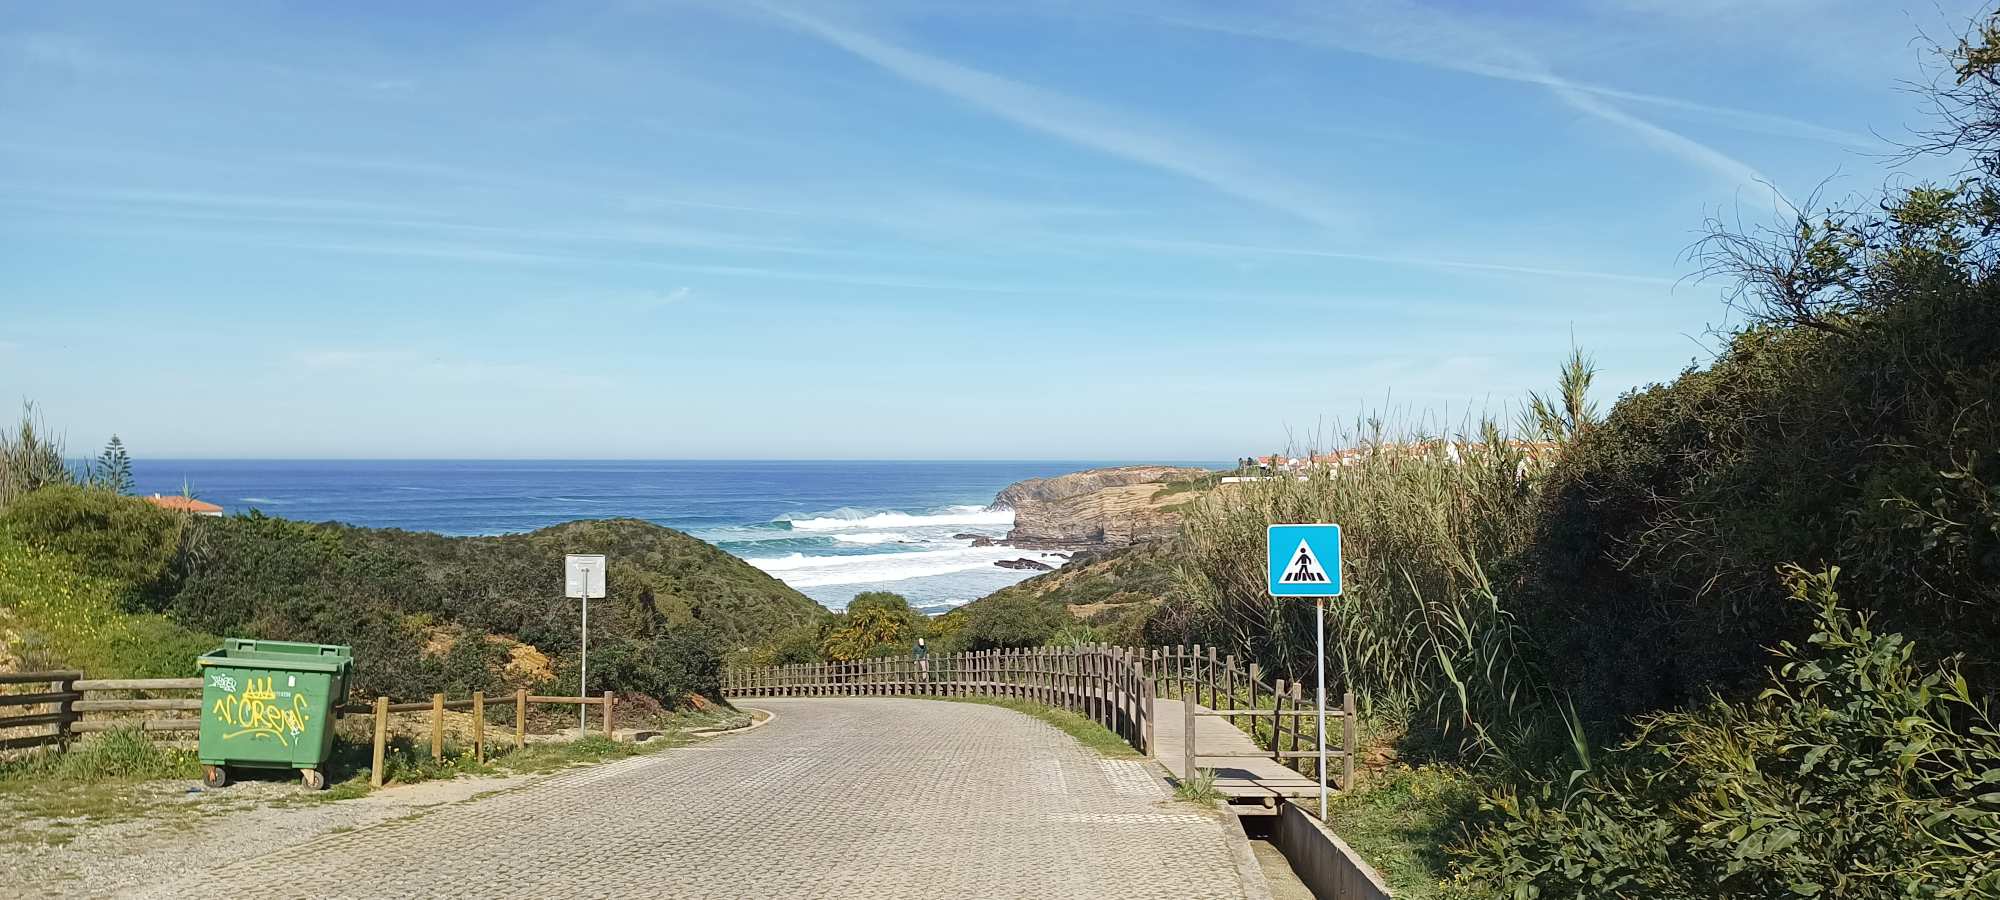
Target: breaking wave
x,y
845,519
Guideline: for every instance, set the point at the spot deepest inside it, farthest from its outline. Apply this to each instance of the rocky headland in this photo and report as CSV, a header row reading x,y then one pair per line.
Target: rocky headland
x,y
1097,509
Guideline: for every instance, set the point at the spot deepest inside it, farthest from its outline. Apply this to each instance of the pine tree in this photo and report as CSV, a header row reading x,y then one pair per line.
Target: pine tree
x,y
113,471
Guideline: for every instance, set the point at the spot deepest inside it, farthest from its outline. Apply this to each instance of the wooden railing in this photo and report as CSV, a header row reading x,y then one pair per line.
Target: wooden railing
x,y
1108,685
68,704
1280,717
438,705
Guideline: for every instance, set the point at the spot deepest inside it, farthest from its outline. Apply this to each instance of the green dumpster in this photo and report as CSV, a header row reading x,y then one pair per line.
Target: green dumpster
x,y
270,705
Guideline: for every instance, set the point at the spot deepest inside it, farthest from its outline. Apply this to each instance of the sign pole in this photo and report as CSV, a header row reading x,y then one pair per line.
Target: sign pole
x,y
1319,632
1304,561
583,578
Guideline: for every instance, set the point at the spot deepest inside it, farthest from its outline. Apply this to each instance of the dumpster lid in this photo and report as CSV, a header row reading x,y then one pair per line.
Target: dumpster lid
x,y
258,654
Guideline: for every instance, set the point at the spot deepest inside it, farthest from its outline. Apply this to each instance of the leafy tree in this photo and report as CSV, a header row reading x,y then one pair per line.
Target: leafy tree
x,y
1013,620
113,469
861,631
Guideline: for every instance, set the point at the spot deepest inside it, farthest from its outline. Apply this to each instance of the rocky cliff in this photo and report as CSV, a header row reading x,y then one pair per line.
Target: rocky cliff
x,y
1097,508
1063,487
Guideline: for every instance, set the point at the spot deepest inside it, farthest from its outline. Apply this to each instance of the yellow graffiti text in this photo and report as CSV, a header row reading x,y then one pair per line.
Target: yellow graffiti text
x,y
256,711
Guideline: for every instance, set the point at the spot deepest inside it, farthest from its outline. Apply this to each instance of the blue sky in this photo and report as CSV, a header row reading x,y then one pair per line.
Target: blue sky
x,y
1136,229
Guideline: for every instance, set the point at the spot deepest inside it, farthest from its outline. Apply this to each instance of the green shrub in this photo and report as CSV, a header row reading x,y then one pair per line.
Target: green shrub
x,y
30,460
1860,773
418,608
54,616
107,535
1002,621
670,666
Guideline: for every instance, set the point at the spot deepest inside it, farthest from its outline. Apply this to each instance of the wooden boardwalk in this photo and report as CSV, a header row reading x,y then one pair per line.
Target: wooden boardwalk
x,y
1241,769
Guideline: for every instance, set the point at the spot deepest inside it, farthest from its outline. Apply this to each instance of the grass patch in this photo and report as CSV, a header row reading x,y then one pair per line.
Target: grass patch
x,y
114,756
1088,733
1188,485
1199,789
47,793
1403,822
57,616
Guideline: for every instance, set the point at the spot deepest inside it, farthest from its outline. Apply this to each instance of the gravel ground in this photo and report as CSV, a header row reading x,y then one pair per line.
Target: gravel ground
x,y
180,827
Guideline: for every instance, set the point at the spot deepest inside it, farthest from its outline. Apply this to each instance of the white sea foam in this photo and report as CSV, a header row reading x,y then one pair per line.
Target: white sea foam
x,y
951,515
800,570
874,537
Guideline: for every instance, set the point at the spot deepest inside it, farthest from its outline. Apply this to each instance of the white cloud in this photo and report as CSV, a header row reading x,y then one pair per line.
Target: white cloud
x,y
1082,123
1408,33
1428,262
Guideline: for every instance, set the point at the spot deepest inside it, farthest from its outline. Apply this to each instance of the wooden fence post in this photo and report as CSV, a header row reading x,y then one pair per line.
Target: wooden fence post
x,y
1347,740
1298,723
1214,679
609,701
520,719
1187,732
1254,673
479,726
437,727
66,709
381,740
1278,720
1152,693
1228,700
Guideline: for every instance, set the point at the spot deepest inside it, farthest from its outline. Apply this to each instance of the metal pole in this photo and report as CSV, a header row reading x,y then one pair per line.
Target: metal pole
x,y
1319,633
583,664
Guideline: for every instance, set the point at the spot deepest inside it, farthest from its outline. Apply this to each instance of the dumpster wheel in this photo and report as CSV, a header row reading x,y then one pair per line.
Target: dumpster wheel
x,y
214,776
314,779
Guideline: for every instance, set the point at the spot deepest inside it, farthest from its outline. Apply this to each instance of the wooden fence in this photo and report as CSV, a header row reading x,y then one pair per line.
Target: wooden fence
x,y
1108,685
438,705
62,705
1280,717
1093,679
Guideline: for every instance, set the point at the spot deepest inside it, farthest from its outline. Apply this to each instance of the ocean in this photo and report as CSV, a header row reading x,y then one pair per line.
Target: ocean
x,y
831,529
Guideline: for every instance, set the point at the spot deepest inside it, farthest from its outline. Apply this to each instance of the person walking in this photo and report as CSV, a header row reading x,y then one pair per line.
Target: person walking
x,y
923,654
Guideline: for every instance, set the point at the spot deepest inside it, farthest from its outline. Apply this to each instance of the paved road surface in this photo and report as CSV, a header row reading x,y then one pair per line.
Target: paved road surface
x,y
854,797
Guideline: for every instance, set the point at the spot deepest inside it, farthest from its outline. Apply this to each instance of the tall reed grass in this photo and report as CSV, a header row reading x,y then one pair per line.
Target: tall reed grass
x,y
1421,633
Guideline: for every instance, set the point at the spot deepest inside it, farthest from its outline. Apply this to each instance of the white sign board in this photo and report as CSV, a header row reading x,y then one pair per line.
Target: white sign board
x,y
583,576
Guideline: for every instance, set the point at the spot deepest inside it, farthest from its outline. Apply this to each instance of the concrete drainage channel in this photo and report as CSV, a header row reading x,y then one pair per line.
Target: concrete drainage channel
x,y
1302,858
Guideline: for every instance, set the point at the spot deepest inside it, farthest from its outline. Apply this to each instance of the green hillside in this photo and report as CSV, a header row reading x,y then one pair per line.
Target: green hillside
x,y
1106,595
424,612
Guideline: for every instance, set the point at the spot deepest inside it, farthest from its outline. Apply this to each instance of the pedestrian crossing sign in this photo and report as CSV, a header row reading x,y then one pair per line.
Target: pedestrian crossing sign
x,y
1304,560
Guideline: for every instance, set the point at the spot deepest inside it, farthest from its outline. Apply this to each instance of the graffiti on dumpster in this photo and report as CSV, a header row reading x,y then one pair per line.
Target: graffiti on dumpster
x,y
257,711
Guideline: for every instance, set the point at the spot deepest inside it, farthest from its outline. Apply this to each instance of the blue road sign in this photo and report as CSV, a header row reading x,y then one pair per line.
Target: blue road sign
x,y
1304,560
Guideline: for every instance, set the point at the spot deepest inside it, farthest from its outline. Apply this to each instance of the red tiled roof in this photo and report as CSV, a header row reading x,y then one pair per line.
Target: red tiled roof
x,y
183,504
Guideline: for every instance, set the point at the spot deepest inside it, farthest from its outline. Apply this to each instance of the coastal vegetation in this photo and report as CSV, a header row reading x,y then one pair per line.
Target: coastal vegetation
x,y
1736,636
94,579
1733,636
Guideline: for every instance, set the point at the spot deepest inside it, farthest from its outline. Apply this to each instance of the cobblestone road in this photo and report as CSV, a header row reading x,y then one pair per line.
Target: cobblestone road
x,y
835,798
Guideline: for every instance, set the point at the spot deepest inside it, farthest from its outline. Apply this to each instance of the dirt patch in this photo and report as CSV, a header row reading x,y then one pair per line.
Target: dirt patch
x,y
122,836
